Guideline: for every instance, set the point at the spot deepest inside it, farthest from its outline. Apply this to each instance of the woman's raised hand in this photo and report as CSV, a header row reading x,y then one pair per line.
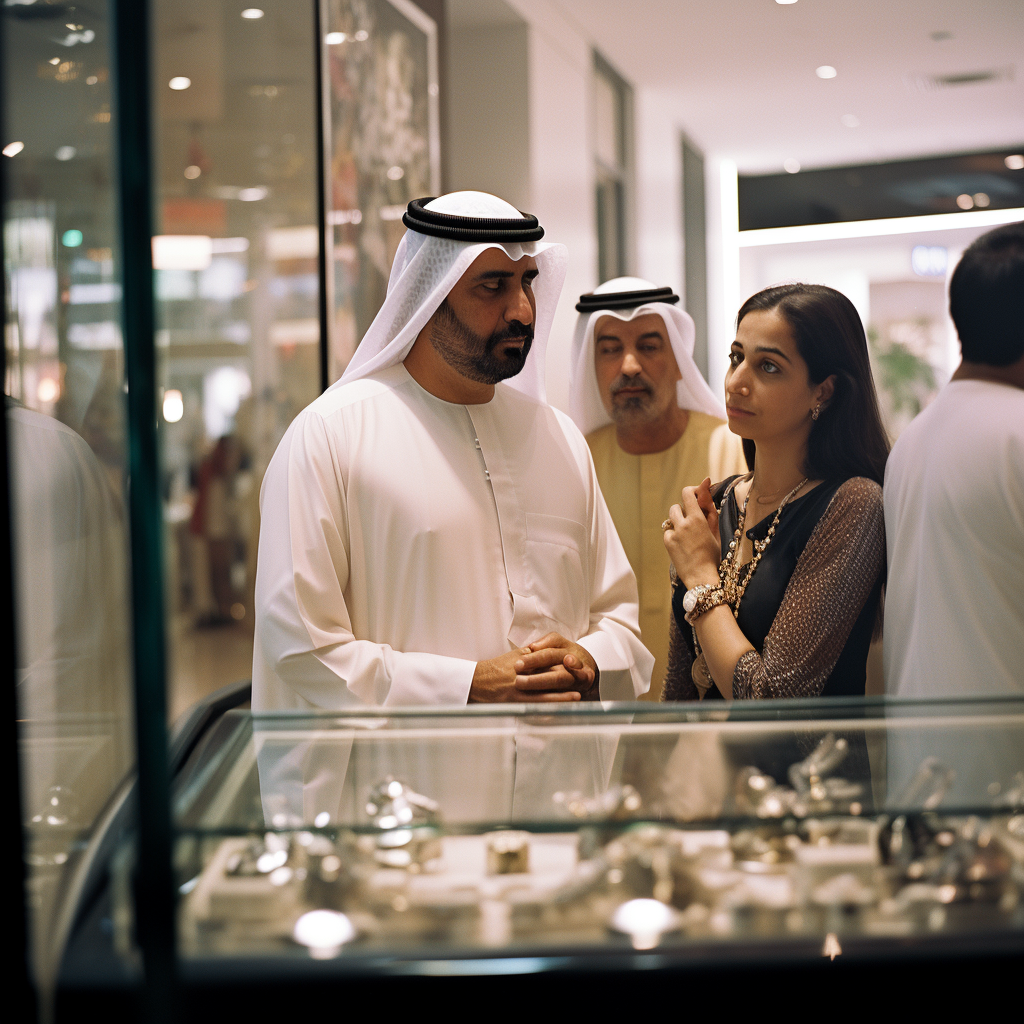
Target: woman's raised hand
x,y
692,538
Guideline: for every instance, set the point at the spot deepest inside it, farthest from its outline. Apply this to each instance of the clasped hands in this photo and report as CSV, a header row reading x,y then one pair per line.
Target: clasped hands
x,y
551,669
691,536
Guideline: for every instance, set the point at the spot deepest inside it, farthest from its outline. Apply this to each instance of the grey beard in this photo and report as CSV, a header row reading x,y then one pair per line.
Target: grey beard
x,y
473,356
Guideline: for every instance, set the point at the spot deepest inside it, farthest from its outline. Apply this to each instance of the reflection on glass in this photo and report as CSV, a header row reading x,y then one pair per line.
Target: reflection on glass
x,y
64,388
382,150
683,830
237,294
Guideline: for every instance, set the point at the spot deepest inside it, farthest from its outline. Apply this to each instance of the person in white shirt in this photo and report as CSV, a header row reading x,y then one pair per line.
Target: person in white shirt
x,y
954,499
432,531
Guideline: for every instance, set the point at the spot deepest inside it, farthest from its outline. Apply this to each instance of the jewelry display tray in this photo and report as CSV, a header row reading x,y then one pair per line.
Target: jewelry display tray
x,y
614,831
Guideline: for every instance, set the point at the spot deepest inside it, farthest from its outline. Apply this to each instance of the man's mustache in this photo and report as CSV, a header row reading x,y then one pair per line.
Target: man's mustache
x,y
623,382
515,331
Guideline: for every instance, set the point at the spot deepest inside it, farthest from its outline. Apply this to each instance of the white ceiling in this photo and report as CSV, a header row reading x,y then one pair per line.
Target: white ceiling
x,y
741,73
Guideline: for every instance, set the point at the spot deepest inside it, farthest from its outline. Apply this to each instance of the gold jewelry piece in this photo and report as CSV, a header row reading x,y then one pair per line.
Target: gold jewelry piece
x,y
701,599
732,590
730,569
817,411
668,525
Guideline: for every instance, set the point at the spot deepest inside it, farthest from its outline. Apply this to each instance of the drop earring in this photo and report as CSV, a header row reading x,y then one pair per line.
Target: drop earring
x,y
816,412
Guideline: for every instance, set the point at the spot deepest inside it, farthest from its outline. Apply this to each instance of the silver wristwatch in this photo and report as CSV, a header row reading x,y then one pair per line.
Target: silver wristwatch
x,y
693,595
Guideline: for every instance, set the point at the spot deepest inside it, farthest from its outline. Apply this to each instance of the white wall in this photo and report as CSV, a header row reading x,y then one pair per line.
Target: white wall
x,y
488,112
488,44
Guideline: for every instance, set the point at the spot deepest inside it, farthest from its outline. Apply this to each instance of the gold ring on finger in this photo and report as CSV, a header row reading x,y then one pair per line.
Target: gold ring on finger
x,y
668,525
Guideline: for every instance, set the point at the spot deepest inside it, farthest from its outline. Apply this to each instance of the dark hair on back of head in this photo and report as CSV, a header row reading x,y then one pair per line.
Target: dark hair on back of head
x,y
848,438
986,297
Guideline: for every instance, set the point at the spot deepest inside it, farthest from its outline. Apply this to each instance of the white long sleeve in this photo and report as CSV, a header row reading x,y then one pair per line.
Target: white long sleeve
x,y
403,539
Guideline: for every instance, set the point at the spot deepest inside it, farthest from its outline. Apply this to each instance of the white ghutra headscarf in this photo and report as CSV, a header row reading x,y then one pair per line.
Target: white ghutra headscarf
x,y
692,391
425,270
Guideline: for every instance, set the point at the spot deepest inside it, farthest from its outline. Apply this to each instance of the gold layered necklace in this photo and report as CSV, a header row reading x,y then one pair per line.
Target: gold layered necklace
x,y
735,580
735,577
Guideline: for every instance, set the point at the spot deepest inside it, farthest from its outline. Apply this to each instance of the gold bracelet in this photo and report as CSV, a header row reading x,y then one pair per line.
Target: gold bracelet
x,y
702,599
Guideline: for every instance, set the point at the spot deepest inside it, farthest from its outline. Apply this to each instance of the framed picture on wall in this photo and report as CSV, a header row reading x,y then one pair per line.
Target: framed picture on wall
x,y
381,150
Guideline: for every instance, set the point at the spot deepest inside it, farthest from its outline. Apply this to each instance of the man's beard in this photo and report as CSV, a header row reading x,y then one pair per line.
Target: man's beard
x,y
635,408
476,357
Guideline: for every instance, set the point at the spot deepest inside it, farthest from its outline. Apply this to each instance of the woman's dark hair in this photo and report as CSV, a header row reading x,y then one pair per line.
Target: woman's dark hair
x,y
986,297
848,438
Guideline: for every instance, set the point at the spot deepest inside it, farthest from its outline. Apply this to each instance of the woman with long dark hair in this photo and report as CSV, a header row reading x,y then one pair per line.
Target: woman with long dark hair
x,y
780,572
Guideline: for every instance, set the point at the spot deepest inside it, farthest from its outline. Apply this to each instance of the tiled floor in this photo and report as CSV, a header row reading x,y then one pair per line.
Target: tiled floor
x,y
202,660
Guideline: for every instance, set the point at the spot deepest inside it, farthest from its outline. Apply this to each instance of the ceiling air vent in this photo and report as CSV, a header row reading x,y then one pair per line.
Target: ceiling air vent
x,y
929,83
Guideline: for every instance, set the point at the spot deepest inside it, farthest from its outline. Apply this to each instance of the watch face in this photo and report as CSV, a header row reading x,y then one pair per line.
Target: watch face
x,y
689,601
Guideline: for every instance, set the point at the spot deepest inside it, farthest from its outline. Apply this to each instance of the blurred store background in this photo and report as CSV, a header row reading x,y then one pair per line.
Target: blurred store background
x,y
715,148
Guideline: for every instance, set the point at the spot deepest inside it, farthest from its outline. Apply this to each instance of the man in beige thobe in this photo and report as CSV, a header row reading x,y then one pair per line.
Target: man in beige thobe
x,y
653,426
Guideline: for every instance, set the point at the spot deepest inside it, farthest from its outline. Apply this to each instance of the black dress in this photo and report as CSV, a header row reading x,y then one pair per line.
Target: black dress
x,y
809,610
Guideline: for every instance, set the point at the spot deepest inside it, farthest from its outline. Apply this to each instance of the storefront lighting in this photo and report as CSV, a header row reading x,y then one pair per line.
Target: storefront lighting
x,y
182,252
174,405
877,228
791,166
252,14
1015,162
335,38
179,82
221,245
13,148
826,71
71,239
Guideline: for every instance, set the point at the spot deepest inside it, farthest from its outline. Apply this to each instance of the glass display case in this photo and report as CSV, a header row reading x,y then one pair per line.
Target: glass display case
x,y
378,838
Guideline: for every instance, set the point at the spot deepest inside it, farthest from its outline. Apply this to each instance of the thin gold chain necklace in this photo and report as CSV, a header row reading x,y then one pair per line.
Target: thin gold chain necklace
x,y
730,569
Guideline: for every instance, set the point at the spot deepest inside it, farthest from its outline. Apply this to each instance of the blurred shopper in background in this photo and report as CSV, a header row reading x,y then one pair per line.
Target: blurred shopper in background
x,y
653,426
781,570
954,498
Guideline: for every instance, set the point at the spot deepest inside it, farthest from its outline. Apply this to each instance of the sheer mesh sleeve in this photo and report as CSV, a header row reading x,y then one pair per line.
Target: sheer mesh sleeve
x,y
833,579
679,683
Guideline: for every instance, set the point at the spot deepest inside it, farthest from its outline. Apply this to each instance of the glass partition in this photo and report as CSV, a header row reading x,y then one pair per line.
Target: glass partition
x,y
237,289
64,394
883,827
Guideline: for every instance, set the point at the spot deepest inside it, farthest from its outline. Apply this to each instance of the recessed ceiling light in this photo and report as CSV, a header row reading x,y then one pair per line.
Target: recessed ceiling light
x,y
252,13
1015,162
826,71
335,38
792,166
981,199
193,171
850,120
179,82
14,148
965,202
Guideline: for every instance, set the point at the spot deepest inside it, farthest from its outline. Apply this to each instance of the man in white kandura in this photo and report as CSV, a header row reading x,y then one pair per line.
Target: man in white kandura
x,y
653,426
430,534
